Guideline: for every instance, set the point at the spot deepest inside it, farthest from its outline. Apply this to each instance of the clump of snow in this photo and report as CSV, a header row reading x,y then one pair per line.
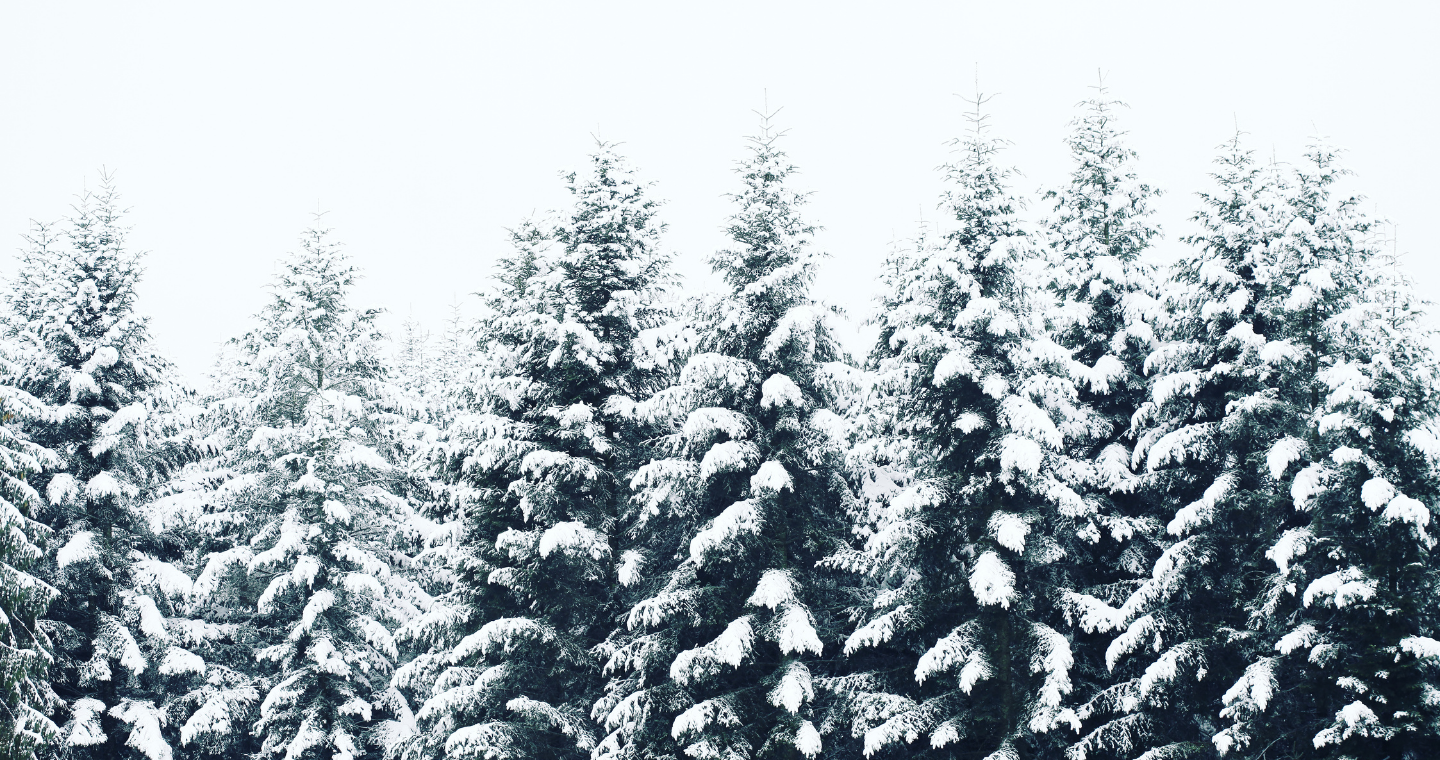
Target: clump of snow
x,y
797,632
877,631
1291,544
1376,493
992,581
1354,719
1284,452
739,518
771,478
728,456
573,538
629,570
1009,530
1341,587
807,739
775,587
779,391
704,423
794,688
80,548
85,728
731,648
1020,453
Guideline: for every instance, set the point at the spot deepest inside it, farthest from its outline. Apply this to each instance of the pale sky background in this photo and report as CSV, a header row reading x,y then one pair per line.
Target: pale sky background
x,y
427,128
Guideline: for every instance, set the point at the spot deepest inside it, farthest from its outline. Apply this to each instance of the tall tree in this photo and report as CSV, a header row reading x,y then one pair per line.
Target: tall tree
x,y
533,472
718,646
323,509
961,625
1201,437
1106,310
83,352
26,653
1342,654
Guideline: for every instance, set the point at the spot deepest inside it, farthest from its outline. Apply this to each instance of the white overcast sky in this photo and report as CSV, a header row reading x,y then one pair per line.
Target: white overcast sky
x,y
427,128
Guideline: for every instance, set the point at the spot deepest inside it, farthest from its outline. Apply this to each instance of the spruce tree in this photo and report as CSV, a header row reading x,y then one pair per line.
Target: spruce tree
x,y
83,352
26,653
1177,632
321,511
717,652
532,474
961,632
1105,312
1341,648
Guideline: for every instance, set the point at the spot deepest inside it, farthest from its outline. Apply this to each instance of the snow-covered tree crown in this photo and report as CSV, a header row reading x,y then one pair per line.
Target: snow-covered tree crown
x,y
1104,209
773,252
311,342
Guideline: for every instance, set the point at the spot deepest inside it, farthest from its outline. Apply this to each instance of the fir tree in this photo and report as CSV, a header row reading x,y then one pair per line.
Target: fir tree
x,y
25,651
1342,655
1200,436
532,474
718,651
961,632
1105,312
322,513
83,352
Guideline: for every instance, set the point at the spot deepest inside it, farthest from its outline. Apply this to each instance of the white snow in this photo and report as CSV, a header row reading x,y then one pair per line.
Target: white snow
x,y
779,391
775,587
728,456
731,648
145,728
1284,452
771,479
703,424
797,632
1422,647
1354,719
992,581
1303,635
177,660
80,548
1009,530
807,739
1291,544
794,689
736,519
574,538
85,728
877,631
1341,587
1376,493
1201,512
1020,453
628,571
1309,483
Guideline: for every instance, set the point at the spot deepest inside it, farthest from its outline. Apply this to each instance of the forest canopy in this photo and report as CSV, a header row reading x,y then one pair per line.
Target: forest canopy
x,y
1074,501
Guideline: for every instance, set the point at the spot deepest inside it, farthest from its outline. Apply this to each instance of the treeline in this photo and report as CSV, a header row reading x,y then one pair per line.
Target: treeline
x,y
1072,504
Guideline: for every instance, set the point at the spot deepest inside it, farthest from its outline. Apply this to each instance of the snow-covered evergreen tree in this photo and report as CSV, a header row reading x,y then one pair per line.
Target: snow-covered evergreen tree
x,y
26,695
717,650
320,508
82,351
961,633
1106,292
533,475
1342,651
1200,440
